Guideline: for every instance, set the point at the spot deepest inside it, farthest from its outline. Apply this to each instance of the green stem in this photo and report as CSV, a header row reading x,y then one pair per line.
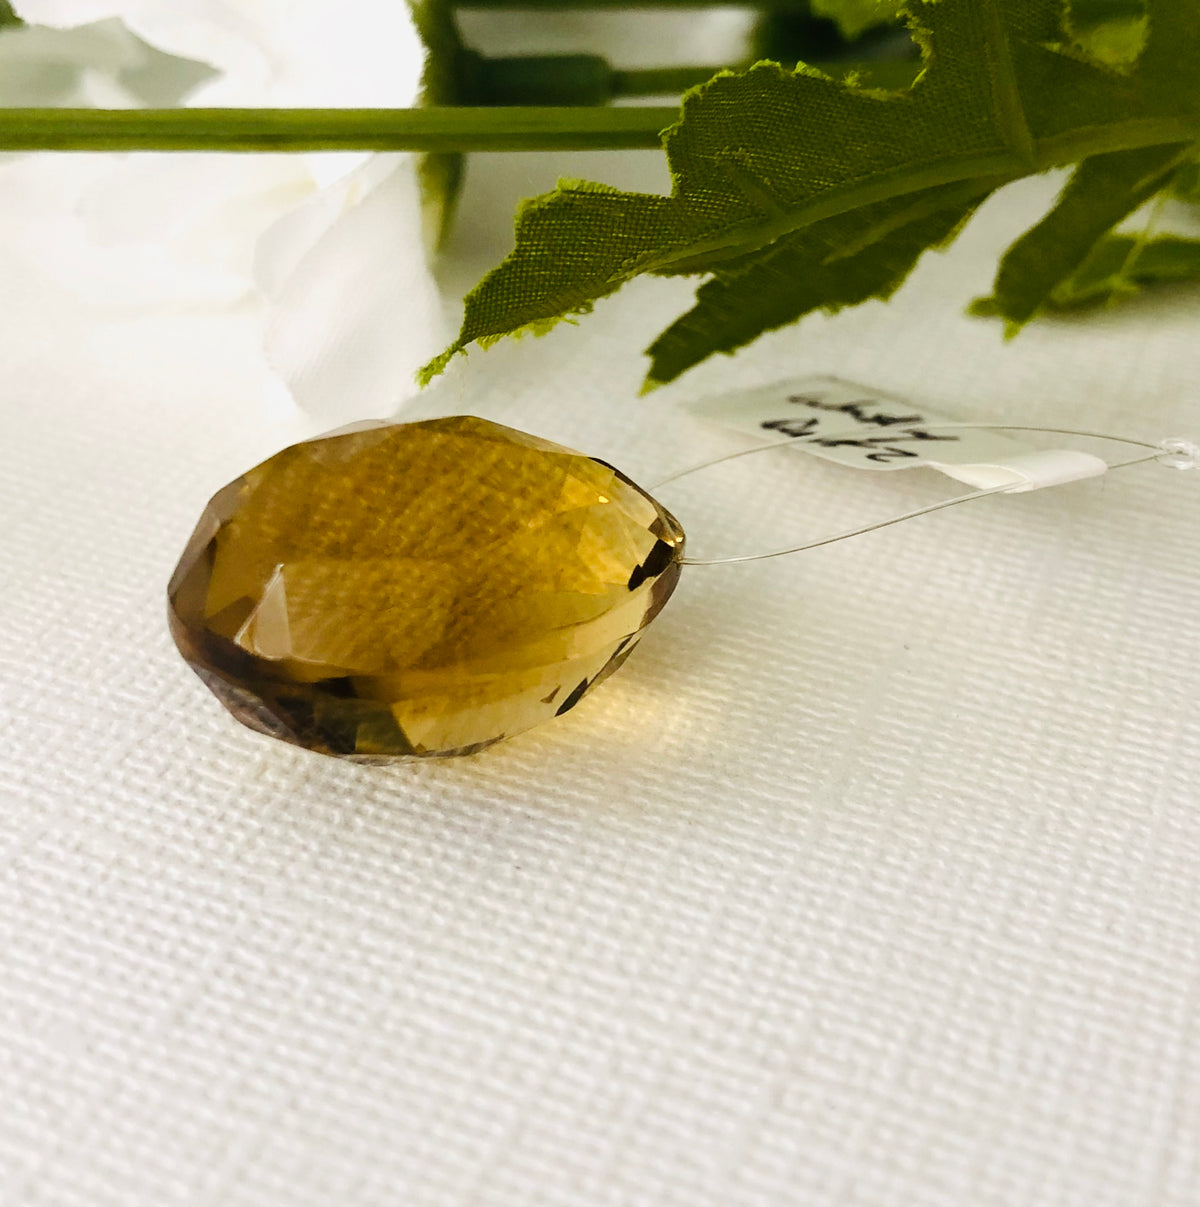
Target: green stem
x,y
589,80
663,81
581,79
439,129
571,79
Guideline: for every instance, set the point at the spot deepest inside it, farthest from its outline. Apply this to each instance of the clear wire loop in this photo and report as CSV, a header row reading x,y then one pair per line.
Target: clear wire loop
x,y
1176,452
1179,453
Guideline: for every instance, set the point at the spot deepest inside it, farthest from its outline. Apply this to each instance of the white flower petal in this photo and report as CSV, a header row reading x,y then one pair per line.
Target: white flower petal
x,y
44,189
233,41
357,313
101,62
164,198
356,53
284,244
353,310
62,13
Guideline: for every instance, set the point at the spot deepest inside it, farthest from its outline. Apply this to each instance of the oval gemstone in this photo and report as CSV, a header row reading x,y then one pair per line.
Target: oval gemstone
x,y
419,589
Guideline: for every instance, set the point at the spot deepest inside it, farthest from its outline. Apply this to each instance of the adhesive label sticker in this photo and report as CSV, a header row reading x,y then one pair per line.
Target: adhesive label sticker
x,y
866,428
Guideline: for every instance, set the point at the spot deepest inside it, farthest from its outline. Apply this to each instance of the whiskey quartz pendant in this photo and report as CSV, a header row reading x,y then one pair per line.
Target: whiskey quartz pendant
x,y
419,589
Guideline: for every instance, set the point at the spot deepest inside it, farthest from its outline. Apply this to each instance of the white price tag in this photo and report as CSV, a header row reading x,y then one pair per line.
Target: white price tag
x,y
865,428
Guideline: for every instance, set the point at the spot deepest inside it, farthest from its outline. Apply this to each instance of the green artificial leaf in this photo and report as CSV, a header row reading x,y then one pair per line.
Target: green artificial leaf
x,y
855,17
1120,265
820,29
761,156
839,262
1112,32
440,180
1187,183
863,36
1102,192
439,174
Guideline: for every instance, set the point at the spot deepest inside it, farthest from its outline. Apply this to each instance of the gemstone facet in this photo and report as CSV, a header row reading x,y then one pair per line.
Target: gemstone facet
x,y
419,589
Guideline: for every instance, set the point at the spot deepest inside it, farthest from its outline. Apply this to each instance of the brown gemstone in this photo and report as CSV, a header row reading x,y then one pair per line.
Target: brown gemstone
x,y
419,589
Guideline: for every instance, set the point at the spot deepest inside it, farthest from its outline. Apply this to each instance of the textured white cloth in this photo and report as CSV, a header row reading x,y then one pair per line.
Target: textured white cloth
x,y
873,879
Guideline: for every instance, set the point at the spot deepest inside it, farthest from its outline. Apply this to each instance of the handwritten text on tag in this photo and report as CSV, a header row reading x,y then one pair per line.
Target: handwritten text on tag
x,y
857,426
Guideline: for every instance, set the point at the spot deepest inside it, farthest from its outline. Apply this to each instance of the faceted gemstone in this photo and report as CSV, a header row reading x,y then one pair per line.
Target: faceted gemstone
x,y
419,589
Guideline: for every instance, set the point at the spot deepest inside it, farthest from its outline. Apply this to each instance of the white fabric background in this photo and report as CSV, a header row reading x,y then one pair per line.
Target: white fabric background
x,y
873,879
